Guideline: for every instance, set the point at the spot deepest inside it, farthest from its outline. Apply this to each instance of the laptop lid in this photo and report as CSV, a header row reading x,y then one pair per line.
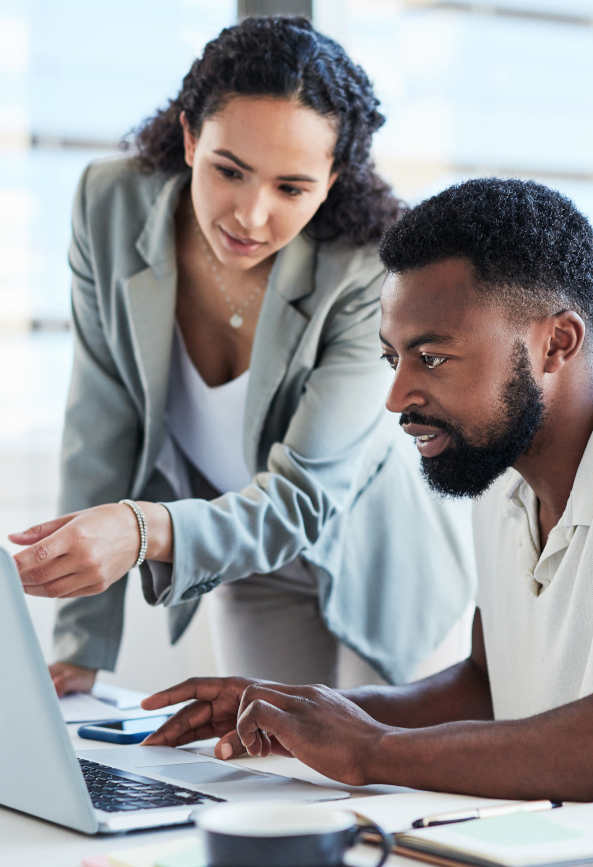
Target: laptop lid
x,y
39,769
39,772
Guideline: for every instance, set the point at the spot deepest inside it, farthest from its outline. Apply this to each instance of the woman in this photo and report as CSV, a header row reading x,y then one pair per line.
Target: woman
x,y
225,309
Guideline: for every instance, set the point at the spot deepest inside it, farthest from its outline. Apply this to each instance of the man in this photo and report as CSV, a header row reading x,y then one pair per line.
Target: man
x,y
487,315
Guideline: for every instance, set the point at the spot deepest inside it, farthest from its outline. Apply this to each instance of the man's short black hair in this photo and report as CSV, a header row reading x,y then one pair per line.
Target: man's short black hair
x,y
531,249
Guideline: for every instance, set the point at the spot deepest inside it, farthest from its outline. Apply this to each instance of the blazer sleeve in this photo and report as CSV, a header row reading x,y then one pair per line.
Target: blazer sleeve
x,y
100,443
311,477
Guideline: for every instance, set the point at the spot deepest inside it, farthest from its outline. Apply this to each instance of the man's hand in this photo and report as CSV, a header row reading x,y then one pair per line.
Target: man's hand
x,y
212,714
72,678
313,723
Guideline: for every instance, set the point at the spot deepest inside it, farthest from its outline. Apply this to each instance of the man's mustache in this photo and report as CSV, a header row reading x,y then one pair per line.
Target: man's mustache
x,y
428,420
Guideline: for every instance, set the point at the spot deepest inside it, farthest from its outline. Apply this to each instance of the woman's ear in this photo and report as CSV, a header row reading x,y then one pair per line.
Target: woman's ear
x,y
331,181
566,333
189,140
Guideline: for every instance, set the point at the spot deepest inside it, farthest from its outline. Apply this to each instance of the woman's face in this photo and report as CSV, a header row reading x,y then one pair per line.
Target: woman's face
x,y
261,167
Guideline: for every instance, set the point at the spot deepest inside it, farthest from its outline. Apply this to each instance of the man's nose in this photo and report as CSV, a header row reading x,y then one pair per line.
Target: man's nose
x,y
404,393
252,208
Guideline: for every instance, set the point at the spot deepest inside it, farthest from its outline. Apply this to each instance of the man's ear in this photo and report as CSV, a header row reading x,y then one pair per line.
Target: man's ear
x,y
566,334
189,140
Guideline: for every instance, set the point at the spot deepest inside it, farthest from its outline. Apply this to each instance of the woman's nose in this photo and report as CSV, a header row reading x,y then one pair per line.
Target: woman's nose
x,y
252,209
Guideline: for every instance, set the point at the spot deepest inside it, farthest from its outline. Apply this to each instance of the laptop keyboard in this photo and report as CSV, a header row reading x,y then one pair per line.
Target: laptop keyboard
x,y
114,790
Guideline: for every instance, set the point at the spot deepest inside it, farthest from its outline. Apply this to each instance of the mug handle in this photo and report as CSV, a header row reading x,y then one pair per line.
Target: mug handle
x,y
385,840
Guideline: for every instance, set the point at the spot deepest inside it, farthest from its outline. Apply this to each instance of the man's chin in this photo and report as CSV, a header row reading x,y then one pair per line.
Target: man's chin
x,y
456,481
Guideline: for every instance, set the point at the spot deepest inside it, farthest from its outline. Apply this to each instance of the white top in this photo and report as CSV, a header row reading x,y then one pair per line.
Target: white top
x,y
207,423
537,607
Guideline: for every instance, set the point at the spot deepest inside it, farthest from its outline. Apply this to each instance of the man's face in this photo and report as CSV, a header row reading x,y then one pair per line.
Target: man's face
x,y
463,381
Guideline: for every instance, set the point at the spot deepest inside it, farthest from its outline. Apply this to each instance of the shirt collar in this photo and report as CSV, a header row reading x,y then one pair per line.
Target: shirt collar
x,y
579,506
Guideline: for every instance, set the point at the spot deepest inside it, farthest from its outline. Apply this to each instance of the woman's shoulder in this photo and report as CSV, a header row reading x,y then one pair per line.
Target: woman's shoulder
x,y
119,178
353,265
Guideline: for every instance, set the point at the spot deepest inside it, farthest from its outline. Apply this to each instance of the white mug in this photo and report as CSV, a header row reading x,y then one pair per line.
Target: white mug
x,y
281,835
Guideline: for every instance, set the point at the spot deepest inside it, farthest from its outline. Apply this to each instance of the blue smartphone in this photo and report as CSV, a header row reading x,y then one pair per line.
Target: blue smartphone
x,y
122,731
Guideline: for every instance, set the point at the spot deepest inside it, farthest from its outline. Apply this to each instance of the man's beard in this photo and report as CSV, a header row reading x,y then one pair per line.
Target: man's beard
x,y
464,470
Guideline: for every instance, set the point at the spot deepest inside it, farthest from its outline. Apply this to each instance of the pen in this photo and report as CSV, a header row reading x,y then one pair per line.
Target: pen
x,y
484,813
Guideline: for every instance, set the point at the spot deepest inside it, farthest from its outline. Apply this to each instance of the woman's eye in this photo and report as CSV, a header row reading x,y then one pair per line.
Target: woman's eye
x,y
391,360
432,361
291,191
226,172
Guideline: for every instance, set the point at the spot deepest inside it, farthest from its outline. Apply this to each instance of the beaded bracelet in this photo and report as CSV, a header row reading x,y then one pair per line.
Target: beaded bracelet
x,y
142,530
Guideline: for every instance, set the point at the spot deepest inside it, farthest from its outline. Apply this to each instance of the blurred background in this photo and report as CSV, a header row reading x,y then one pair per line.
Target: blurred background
x,y
468,88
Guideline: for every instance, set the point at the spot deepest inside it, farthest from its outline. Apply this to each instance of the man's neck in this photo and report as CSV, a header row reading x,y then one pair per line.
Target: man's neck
x,y
551,464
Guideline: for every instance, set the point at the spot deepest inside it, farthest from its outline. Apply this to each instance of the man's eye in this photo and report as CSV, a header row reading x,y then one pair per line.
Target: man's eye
x,y
432,361
391,360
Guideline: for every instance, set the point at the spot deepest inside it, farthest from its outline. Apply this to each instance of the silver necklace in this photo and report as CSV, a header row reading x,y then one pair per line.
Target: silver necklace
x,y
237,310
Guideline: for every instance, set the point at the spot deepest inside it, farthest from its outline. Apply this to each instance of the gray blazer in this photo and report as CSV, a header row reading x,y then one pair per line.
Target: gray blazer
x,y
335,481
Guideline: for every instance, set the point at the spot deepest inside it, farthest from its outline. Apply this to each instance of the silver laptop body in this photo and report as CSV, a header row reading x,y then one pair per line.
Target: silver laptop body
x,y
39,769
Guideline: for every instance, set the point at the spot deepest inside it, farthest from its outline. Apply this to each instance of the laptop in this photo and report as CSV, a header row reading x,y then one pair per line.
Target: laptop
x,y
103,790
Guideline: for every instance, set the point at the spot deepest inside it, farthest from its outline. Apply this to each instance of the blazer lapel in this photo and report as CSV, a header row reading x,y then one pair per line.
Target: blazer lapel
x,y
150,296
279,329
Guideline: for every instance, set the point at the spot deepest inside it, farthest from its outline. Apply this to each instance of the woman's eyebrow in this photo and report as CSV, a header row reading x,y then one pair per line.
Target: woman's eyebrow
x,y
223,152
306,178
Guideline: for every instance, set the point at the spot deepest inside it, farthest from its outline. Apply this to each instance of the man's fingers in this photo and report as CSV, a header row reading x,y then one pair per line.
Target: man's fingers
x,y
262,717
171,695
229,746
283,698
188,724
202,688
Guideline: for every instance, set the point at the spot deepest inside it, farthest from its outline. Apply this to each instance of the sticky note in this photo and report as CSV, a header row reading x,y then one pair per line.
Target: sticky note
x,y
193,856
185,852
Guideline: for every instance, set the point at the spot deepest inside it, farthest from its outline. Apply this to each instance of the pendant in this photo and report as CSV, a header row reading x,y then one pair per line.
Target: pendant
x,y
236,320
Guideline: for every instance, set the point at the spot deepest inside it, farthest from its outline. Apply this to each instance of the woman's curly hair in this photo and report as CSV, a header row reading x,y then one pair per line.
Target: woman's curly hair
x,y
286,57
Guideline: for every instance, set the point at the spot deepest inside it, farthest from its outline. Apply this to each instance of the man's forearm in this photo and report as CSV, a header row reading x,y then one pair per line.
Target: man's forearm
x,y
457,693
546,756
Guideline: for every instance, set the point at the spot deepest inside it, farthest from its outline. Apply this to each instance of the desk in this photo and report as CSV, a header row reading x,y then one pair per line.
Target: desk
x,y
29,842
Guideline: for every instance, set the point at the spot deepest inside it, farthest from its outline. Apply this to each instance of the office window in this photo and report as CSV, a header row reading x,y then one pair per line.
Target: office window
x,y
76,77
477,88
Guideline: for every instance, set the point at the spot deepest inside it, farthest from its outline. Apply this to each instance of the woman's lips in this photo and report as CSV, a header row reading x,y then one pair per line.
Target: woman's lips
x,y
236,244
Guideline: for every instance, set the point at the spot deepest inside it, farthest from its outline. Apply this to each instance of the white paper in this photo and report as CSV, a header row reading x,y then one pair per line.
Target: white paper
x,y
118,696
397,812
84,707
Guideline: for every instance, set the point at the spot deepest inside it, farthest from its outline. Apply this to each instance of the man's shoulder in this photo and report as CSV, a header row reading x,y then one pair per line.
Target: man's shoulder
x,y
489,506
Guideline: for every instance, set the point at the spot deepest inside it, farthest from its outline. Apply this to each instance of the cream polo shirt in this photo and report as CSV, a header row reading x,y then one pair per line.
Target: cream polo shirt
x,y
536,606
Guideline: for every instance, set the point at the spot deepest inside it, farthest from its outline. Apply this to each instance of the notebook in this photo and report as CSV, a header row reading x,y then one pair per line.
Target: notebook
x,y
120,788
554,837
